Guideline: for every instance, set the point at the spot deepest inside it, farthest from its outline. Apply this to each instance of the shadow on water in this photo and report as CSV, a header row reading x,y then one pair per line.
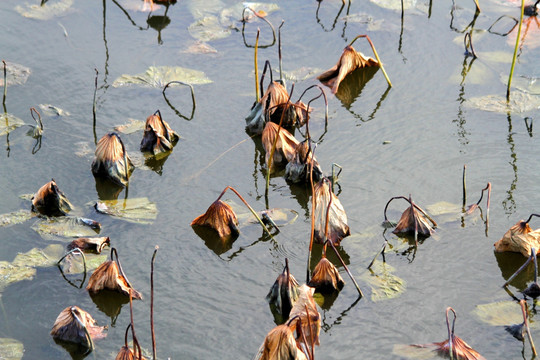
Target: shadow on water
x,y
509,263
110,303
213,241
107,189
76,351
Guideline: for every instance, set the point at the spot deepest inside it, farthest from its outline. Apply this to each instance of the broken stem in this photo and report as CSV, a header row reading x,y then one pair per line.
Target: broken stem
x,y
346,269
334,175
378,253
533,255
257,91
244,20
376,55
515,51
194,103
117,260
39,123
523,305
315,98
152,302
469,44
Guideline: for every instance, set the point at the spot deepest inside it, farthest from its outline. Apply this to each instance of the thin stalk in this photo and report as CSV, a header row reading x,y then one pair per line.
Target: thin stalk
x,y
376,55
131,320
279,52
39,123
94,106
533,255
415,222
464,187
257,91
71,252
523,305
325,101
530,217
194,103
5,84
334,175
515,51
378,253
312,232
450,333
347,269
311,340
152,302
263,19
117,260
248,206
477,5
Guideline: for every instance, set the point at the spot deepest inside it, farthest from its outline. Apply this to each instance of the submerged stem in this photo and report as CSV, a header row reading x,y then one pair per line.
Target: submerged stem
x,y
523,305
464,187
152,302
378,253
346,269
515,51
533,255
376,55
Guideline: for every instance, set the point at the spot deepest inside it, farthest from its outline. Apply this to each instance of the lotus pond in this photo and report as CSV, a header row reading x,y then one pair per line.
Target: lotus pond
x,y
69,58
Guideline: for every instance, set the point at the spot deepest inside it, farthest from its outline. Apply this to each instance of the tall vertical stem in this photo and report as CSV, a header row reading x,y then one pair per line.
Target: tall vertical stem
x,y
515,51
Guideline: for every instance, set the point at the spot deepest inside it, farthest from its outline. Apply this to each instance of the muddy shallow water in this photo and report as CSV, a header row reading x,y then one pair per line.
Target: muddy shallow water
x,y
413,138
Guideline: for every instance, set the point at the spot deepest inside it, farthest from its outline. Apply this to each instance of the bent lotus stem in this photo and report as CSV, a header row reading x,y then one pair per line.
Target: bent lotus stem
x,y
515,52
474,206
262,18
531,257
379,253
114,254
412,204
194,103
39,123
84,261
267,65
523,305
126,335
257,91
279,53
376,55
89,342
325,100
467,42
477,5
248,206
450,333
530,217
136,345
152,302
360,294
5,84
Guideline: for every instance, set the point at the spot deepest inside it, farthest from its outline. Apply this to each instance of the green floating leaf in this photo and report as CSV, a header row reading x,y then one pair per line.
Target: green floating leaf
x,y
11,349
51,110
500,313
130,127
445,211
9,123
84,148
16,74
62,227
138,210
520,102
49,10
74,264
527,84
159,76
301,74
39,257
10,274
200,47
208,29
384,285
413,352
16,217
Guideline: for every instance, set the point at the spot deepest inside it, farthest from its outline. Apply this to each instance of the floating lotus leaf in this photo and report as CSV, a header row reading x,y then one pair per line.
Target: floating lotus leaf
x,y
73,263
83,148
15,217
397,4
500,313
301,74
413,352
478,74
202,8
16,74
527,84
62,227
384,284
39,257
361,18
446,211
520,102
11,349
130,127
208,28
136,210
9,123
159,76
50,10
10,274
51,110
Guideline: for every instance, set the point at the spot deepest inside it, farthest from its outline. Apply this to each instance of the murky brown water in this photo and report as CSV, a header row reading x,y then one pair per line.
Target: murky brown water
x,y
210,300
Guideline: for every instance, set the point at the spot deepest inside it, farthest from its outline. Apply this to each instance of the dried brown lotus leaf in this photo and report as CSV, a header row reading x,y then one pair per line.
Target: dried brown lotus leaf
x,y
280,344
326,277
413,220
337,218
349,61
220,217
284,292
519,238
305,299
70,323
126,353
90,244
108,277
158,136
50,201
111,159
297,170
285,145
461,350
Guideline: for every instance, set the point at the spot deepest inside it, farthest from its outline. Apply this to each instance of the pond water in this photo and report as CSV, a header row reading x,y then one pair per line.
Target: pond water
x,y
412,138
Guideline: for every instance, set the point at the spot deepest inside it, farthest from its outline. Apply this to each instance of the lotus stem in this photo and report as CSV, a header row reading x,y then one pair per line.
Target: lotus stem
x,y
131,320
325,101
162,123
530,217
533,255
267,217
312,232
346,269
248,206
194,103
376,55
94,106
334,175
327,213
89,343
450,333
468,44
412,204
5,84
262,18
257,91
152,302
117,260
279,53
477,5
464,186
311,340
84,261
523,305
378,253
38,121
126,335
415,223
515,51
267,65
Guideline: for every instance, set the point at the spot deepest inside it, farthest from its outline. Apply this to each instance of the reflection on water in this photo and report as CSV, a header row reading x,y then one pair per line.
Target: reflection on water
x,y
509,263
77,351
110,303
509,203
213,241
107,189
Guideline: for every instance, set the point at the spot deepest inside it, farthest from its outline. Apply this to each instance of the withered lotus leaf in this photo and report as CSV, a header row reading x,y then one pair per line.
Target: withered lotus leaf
x,y
349,61
126,353
461,350
413,220
337,218
108,277
50,201
220,217
297,170
284,292
280,344
70,326
90,244
326,277
272,103
285,145
112,160
305,300
158,136
519,238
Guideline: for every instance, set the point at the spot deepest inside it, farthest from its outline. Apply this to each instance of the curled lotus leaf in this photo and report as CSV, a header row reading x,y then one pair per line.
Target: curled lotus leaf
x,y
136,210
159,76
15,217
49,10
519,238
11,349
9,123
500,313
65,226
384,284
16,74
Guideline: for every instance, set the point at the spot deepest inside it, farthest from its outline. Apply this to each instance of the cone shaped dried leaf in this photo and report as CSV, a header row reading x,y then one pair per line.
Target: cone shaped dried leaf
x,y
108,277
111,160
50,201
158,136
519,238
87,244
297,170
280,344
284,292
412,221
285,145
337,218
349,61
70,326
220,217
326,277
311,328
126,353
